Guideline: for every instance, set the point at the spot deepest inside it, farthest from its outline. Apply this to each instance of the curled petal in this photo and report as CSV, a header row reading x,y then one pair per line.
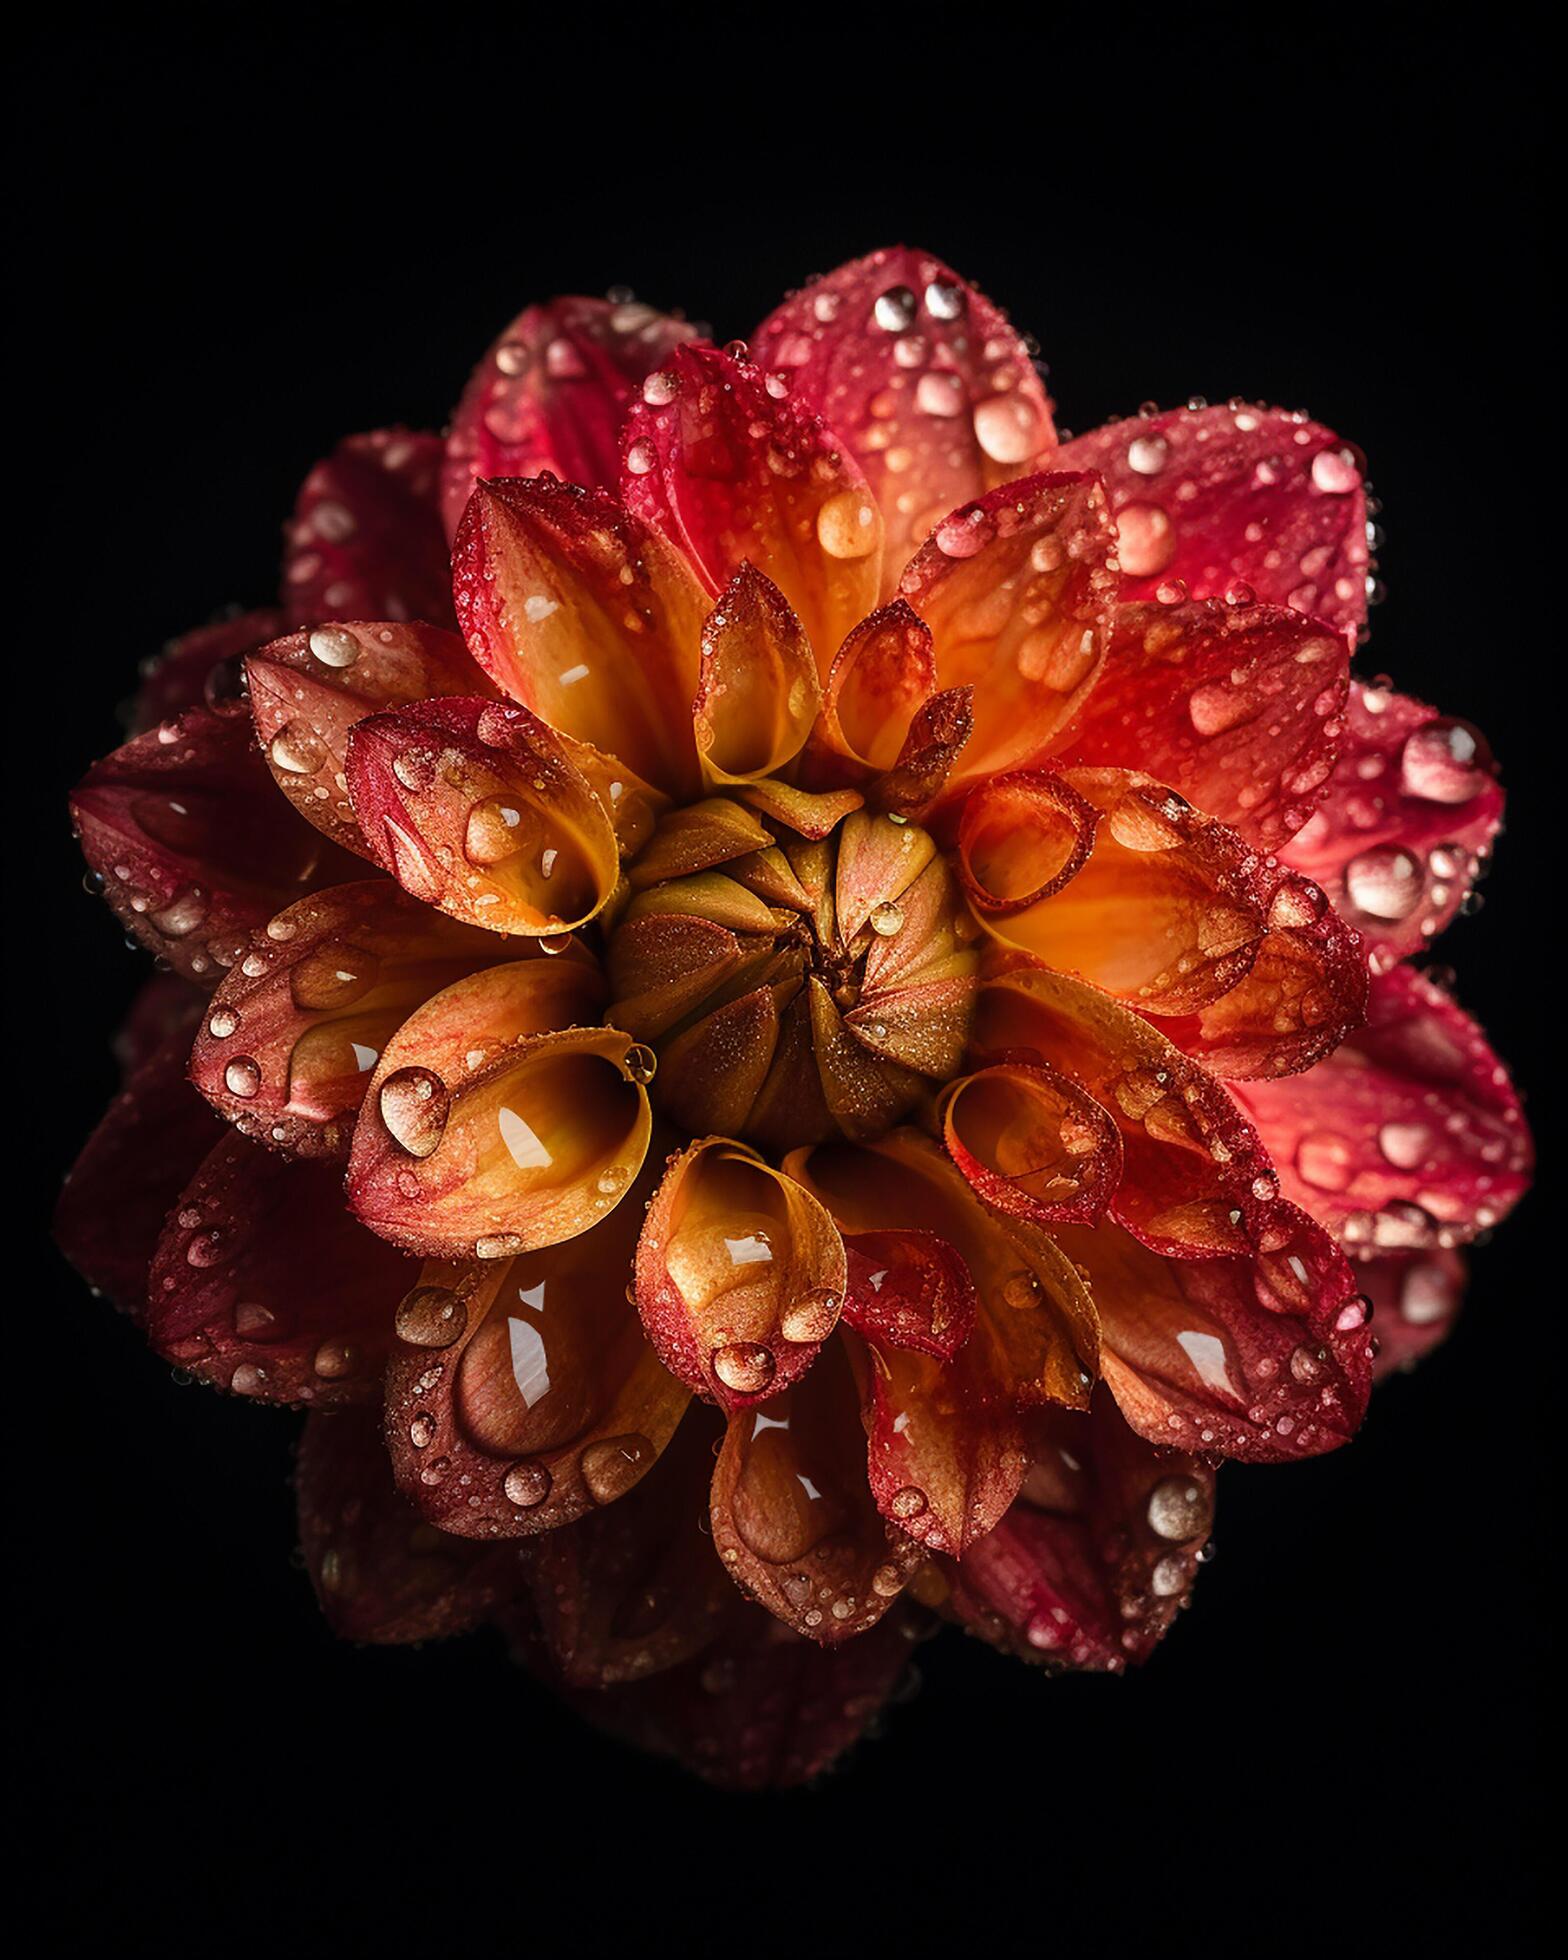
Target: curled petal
x,y
881,677
1410,1135
192,842
286,1049
528,1147
921,375
263,1283
793,1517
477,807
937,737
1089,1567
1265,1357
740,1274
728,470
1015,590
308,690
909,1289
580,612
1032,1143
808,813
365,540
696,837
202,668
1239,707
757,687
1021,838
131,1170
1219,498
1416,1298
1406,825
636,1588
381,1573
521,1393
551,394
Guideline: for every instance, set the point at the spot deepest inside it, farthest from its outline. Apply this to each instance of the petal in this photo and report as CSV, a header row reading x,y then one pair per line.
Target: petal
x,y
1416,1297
192,842
521,1393
287,1047
1406,825
727,471
201,669
1410,1135
131,1170
265,1284
921,376
1239,707
881,677
580,612
1264,1357
381,1573
1015,590
1089,1568
1219,498
551,394
636,1588
740,1274
1040,1319
1031,1143
1021,838
308,690
938,735
520,1149
793,1518
365,541
909,1289
477,807
165,1010
757,687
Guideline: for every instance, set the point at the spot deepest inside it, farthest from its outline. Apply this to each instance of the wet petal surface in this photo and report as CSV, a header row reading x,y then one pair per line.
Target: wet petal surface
x,y
365,539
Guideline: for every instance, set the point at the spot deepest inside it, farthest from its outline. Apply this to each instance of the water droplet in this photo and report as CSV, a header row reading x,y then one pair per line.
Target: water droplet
x,y
610,1468
894,310
527,1485
242,1077
1179,1509
414,1105
744,1366
887,918
334,647
430,1317
846,525
1385,882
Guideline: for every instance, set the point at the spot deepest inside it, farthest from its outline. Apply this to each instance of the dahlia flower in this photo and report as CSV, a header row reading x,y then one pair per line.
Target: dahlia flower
x,y
804,984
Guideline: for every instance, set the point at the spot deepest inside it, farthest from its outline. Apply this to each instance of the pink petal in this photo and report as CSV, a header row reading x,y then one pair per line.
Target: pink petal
x,y
1416,1298
365,540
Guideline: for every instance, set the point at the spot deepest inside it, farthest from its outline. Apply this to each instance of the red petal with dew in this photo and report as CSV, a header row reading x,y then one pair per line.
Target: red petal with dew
x,y
1416,1298
201,668
1032,1143
909,1289
365,540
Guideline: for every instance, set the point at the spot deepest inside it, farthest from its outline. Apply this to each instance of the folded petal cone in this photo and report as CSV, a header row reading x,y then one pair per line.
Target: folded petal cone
x,y
365,539
263,1284
1032,1143
1236,497
477,807
530,1146
740,1274
921,376
757,687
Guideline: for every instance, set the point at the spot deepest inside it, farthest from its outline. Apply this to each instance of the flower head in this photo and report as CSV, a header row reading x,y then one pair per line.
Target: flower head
x,y
818,1034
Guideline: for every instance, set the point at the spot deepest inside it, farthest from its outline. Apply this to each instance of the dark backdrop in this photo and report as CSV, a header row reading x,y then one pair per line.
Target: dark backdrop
x,y
242,241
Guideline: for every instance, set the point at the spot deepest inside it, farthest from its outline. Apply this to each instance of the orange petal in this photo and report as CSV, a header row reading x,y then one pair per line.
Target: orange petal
x,y
287,1047
793,1517
521,1393
308,690
1015,590
881,677
695,838
477,807
757,686
582,614
937,737
740,1274
809,813
1021,838
728,471
1032,1143
531,1147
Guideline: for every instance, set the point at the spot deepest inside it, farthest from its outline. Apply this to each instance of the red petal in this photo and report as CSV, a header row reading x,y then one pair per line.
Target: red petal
x,y
909,1289
307,692
1032,1143
130,1172
793,1518
921,376
287,1047
194,845
740,1274
365,541
1089,1568
587,618
729,471
1409,1135
381,1573
476,806
1015,590
1406,825
167,1008
201,669
1220,498
551,394
1238,707
1416,1297
264,1283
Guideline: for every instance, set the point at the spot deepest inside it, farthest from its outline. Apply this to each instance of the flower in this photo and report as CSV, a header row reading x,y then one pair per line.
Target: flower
x,y
814,1036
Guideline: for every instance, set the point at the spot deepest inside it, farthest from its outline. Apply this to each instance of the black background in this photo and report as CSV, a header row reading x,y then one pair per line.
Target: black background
x,y
241,240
